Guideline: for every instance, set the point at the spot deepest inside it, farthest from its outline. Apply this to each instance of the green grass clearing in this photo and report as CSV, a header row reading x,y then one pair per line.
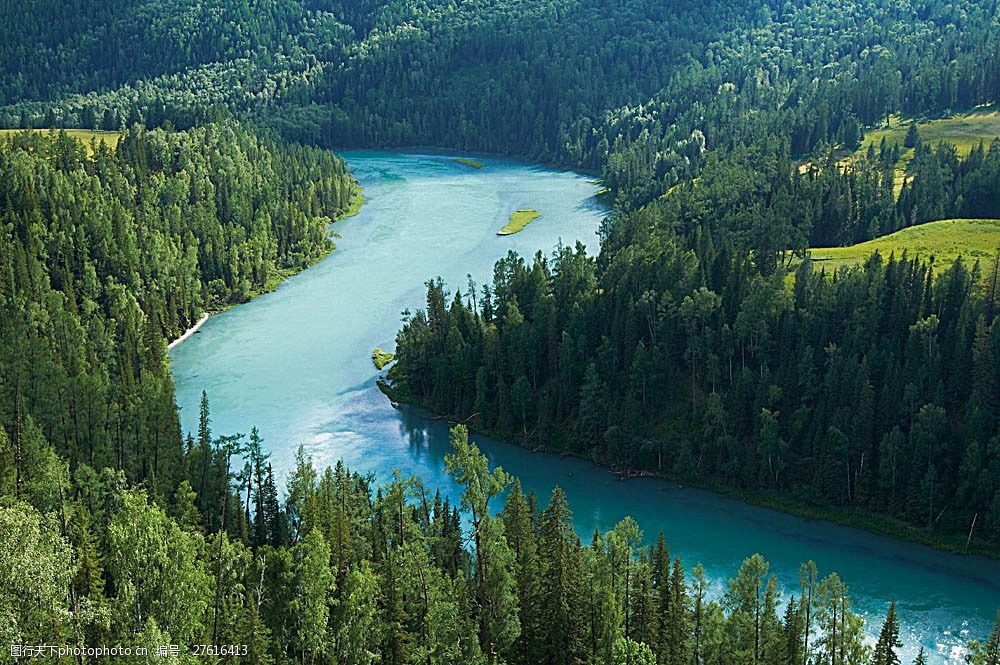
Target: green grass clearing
x,y
939,243
382,358
518,220
965,131
470,162
85,136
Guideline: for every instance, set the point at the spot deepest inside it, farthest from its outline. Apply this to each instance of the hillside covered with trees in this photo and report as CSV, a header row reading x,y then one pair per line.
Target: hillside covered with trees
x,y
108,256
347,573
698,342
632,90
680,349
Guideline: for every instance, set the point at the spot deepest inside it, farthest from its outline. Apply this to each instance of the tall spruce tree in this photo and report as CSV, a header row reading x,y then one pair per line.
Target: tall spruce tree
x,y
888,639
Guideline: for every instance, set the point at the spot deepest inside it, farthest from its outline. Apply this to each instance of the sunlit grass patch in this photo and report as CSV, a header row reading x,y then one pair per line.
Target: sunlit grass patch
x,y
518,220
938,243
382,358
85,136
476,164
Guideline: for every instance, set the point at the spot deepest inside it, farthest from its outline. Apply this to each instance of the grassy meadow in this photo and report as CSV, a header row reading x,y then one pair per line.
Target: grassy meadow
x,y
964,131
940,243
86,136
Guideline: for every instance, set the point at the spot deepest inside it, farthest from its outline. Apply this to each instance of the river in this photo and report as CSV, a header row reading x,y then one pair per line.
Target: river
x,y
296,363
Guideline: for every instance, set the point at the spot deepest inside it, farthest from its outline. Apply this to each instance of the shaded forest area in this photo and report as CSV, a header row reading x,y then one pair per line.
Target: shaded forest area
x,y
636,90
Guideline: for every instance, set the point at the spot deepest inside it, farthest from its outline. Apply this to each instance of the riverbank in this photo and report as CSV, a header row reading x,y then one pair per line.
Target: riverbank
x,y
273,282
278,277
297,365
355,207
190,331
857,518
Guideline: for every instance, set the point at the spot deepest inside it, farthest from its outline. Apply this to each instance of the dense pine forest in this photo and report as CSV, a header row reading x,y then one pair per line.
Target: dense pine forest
x,y
676,352
107,256
682,349
636,91
700,342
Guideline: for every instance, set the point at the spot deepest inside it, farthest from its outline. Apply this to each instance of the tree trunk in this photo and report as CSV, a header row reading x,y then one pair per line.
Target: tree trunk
x,y
969,539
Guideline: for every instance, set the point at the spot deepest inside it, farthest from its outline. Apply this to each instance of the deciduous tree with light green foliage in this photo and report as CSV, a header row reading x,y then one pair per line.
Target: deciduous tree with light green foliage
x,y
493,560
157,572
36,566
311,601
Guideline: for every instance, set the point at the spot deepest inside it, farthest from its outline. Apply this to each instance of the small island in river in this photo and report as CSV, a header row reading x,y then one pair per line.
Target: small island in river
x,y
518,220
473,163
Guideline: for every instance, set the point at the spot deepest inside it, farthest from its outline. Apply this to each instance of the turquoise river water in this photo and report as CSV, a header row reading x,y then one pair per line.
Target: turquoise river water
x,y
296,363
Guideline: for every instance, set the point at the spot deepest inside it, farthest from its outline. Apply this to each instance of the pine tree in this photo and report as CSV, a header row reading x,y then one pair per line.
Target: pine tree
x,y
661,585
184,509
273,523
989,654
793,632
256,460
699,589
87,592
204,452
519,531
888,639
677,622
642,606
808,576
396,639
561,585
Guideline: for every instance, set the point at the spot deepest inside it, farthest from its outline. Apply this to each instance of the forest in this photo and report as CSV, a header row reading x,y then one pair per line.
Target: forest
x,y
107,256
699,342
343,572
677,353
631,93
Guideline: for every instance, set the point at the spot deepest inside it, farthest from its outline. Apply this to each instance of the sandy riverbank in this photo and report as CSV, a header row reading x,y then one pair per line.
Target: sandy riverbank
x,y
190,331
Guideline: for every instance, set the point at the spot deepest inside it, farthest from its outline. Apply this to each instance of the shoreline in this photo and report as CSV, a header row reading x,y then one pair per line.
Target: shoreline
x,y
438,151
860,519
190,331
355,208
